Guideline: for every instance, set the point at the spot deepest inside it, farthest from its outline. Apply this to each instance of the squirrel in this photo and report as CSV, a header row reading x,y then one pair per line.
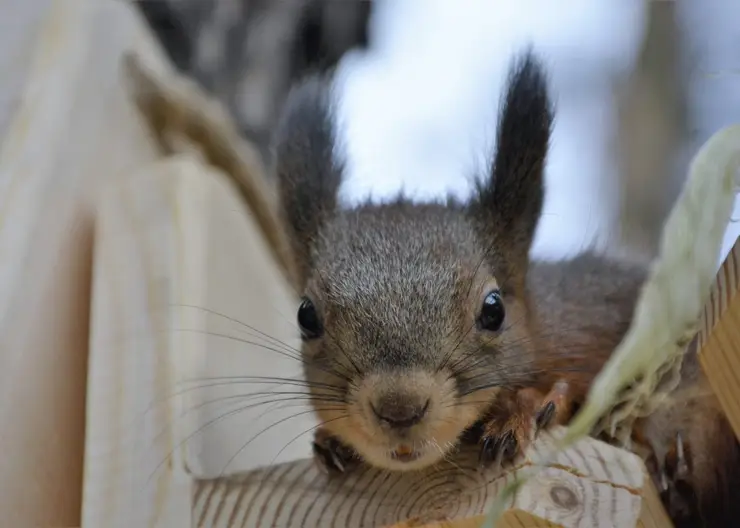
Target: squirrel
x,y
424,325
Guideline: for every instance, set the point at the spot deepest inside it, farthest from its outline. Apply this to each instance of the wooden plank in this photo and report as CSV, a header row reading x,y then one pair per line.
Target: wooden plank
x,y
592,484
653,514
171,238
719,337
20,42
65,128
127,436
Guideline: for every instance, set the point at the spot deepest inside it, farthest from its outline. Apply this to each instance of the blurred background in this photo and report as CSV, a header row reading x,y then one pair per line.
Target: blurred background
x,y
639,86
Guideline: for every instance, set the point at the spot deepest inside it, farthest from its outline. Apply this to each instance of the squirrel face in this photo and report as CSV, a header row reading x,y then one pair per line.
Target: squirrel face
x,y
404,322
413,316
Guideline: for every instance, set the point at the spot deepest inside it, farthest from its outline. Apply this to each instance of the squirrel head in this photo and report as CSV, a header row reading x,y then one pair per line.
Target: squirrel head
x,y
413,316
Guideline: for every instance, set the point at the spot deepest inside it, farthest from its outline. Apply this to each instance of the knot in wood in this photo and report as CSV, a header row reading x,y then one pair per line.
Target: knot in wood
x,y
564,497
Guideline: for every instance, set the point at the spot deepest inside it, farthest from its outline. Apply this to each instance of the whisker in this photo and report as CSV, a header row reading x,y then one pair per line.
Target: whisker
x,y
293,397
322,424
254,437
240,323
208,424
222,381
289,354
214,381
261,345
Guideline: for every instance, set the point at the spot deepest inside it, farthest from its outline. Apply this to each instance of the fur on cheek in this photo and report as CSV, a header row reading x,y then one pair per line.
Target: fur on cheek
x,y
473,406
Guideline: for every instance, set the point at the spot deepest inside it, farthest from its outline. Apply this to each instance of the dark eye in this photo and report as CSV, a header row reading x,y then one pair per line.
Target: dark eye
x,y
308,320
492,313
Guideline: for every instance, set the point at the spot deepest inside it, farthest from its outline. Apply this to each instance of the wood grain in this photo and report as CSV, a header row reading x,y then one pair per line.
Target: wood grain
x,y
719,337
163,241
66,128
590,485
653,514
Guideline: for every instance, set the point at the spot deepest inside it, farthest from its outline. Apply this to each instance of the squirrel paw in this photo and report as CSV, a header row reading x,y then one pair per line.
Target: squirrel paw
x,y
331,455
505,438
672,477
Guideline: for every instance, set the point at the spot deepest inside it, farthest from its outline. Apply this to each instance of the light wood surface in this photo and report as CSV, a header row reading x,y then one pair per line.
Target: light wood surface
x,y
129,359
164,244
719,338
590,485
65,128
652,515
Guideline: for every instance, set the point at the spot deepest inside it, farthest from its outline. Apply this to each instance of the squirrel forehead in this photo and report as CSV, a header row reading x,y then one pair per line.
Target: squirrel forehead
x,y
412,253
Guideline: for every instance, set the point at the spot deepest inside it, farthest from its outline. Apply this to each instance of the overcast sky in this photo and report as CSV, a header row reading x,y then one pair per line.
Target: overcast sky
x,y
419,108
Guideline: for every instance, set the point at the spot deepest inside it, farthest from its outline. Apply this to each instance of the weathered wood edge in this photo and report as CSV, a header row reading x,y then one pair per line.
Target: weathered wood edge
x,y
718,340
122,443
67,128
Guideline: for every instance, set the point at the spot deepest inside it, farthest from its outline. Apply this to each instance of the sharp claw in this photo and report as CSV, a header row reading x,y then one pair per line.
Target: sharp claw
x,y
496,449
330,457
682,466
488,450
499,460
483,453
321,455
663,481
545,415
679,446
337,463
509,445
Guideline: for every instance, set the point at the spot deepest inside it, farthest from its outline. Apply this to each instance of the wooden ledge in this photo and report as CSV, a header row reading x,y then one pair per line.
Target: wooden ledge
x,y
719,337
592,484
67,127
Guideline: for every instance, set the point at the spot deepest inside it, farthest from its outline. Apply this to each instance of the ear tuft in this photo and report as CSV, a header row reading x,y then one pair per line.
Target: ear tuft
x,y
509,202
308,175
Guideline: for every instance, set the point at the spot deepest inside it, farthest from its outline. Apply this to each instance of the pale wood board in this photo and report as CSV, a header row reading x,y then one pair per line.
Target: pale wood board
x,y
719,337
653,514
128,436
590,485
66,128
163,242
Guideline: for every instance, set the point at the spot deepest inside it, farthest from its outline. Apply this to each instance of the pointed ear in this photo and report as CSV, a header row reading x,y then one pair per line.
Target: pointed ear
x,y
508,204
308,175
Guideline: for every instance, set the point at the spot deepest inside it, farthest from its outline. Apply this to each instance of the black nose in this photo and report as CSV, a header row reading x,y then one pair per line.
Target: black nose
x,y
398,413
